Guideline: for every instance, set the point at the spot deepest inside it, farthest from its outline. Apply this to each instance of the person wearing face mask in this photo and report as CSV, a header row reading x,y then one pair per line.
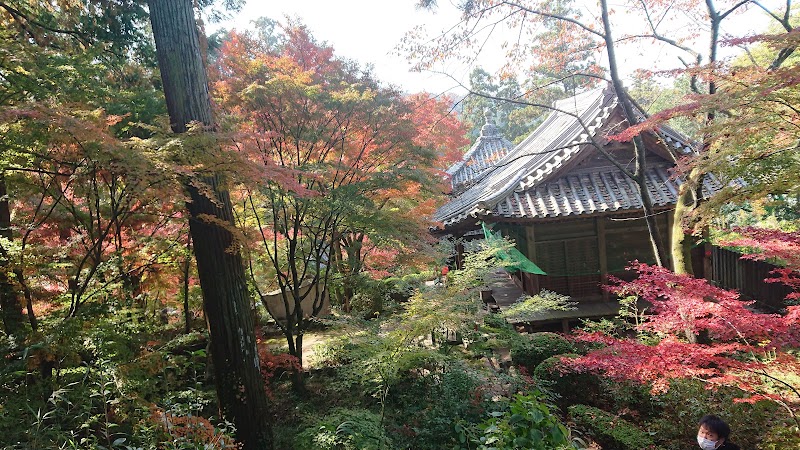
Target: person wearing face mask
x,y
713,434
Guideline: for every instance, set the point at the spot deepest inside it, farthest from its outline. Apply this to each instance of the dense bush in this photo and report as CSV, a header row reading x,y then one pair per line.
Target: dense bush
x,y
496,322
630,399
526,424
452,395
401,289
344,429
609,430
529,353
88,381
372,298
571,387
495,333
367,305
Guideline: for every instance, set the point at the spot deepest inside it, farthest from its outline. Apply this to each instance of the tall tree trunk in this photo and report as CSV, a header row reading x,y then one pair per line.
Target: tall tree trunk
x,y
638,143
10,306
683,264
26,292
240,387
681,244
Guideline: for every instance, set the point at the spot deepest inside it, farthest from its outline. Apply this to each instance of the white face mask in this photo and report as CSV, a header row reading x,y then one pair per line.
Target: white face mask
x,y
706,444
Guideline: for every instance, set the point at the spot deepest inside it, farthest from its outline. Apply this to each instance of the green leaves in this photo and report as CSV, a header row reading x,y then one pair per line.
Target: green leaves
x,y
526,424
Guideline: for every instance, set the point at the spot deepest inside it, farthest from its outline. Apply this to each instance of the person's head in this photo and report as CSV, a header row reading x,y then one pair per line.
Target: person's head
x,y
713,432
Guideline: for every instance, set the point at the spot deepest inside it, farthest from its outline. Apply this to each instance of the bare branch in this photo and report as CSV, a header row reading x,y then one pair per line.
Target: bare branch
x,y
554,16
592,141
733,8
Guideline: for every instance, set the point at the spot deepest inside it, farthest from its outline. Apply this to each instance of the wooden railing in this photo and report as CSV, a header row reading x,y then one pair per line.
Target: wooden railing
x,y
746,276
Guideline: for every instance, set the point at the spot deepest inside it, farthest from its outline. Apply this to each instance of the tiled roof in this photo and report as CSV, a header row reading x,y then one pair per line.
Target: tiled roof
x,y
520,183
596,191
555,141
488,148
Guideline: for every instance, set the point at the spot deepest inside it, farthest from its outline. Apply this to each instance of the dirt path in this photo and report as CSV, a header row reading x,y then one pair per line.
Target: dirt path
x,y
311,341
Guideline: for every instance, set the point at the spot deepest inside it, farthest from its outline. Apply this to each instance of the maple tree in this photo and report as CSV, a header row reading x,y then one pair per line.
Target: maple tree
x,y
86,203
70,57
697,330
395,226
348,162
725,97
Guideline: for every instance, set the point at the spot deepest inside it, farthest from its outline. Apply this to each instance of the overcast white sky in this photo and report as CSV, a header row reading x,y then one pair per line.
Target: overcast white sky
x,y
369,30
364,30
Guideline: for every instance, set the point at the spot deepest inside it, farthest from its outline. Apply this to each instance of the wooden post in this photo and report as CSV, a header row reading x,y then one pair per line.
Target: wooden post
x,y
530,240
600,227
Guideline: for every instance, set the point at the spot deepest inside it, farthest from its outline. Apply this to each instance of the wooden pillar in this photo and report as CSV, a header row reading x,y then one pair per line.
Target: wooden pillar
x,y
670,263
530,240
600,229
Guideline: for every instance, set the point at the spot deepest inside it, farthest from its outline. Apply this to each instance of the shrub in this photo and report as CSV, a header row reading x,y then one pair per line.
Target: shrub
x,y
526,424
496,321
609,430
571,387
424,425
189,432
401,289
344,429
366,305
496,333
530,353
630,399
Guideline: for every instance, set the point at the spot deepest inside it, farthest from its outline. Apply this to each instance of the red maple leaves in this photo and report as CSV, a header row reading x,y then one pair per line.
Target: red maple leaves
x,y
698,330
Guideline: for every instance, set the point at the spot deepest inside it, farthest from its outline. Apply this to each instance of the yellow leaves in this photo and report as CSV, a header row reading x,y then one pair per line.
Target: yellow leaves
x,y
352,93
21,70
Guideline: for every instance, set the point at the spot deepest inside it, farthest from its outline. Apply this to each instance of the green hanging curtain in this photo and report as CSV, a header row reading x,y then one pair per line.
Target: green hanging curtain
x,y
515,257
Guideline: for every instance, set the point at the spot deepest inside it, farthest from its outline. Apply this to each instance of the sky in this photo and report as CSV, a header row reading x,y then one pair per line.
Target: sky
x,y
369,32
364,30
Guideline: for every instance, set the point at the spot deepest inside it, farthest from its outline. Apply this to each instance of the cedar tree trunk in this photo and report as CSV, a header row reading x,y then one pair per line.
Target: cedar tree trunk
x,y
240,387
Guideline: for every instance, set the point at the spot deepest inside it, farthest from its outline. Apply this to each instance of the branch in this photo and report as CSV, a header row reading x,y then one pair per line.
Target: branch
x,y
783,20
23,19
655,35
592,141
554,16
733,8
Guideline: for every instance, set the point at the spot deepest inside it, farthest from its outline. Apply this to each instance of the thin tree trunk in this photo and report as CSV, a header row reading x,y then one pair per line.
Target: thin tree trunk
x,y
10,305
26,292
638,143
187,314
240,387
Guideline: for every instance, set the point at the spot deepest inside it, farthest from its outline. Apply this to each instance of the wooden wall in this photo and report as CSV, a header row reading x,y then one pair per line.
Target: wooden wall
x,y
578,254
